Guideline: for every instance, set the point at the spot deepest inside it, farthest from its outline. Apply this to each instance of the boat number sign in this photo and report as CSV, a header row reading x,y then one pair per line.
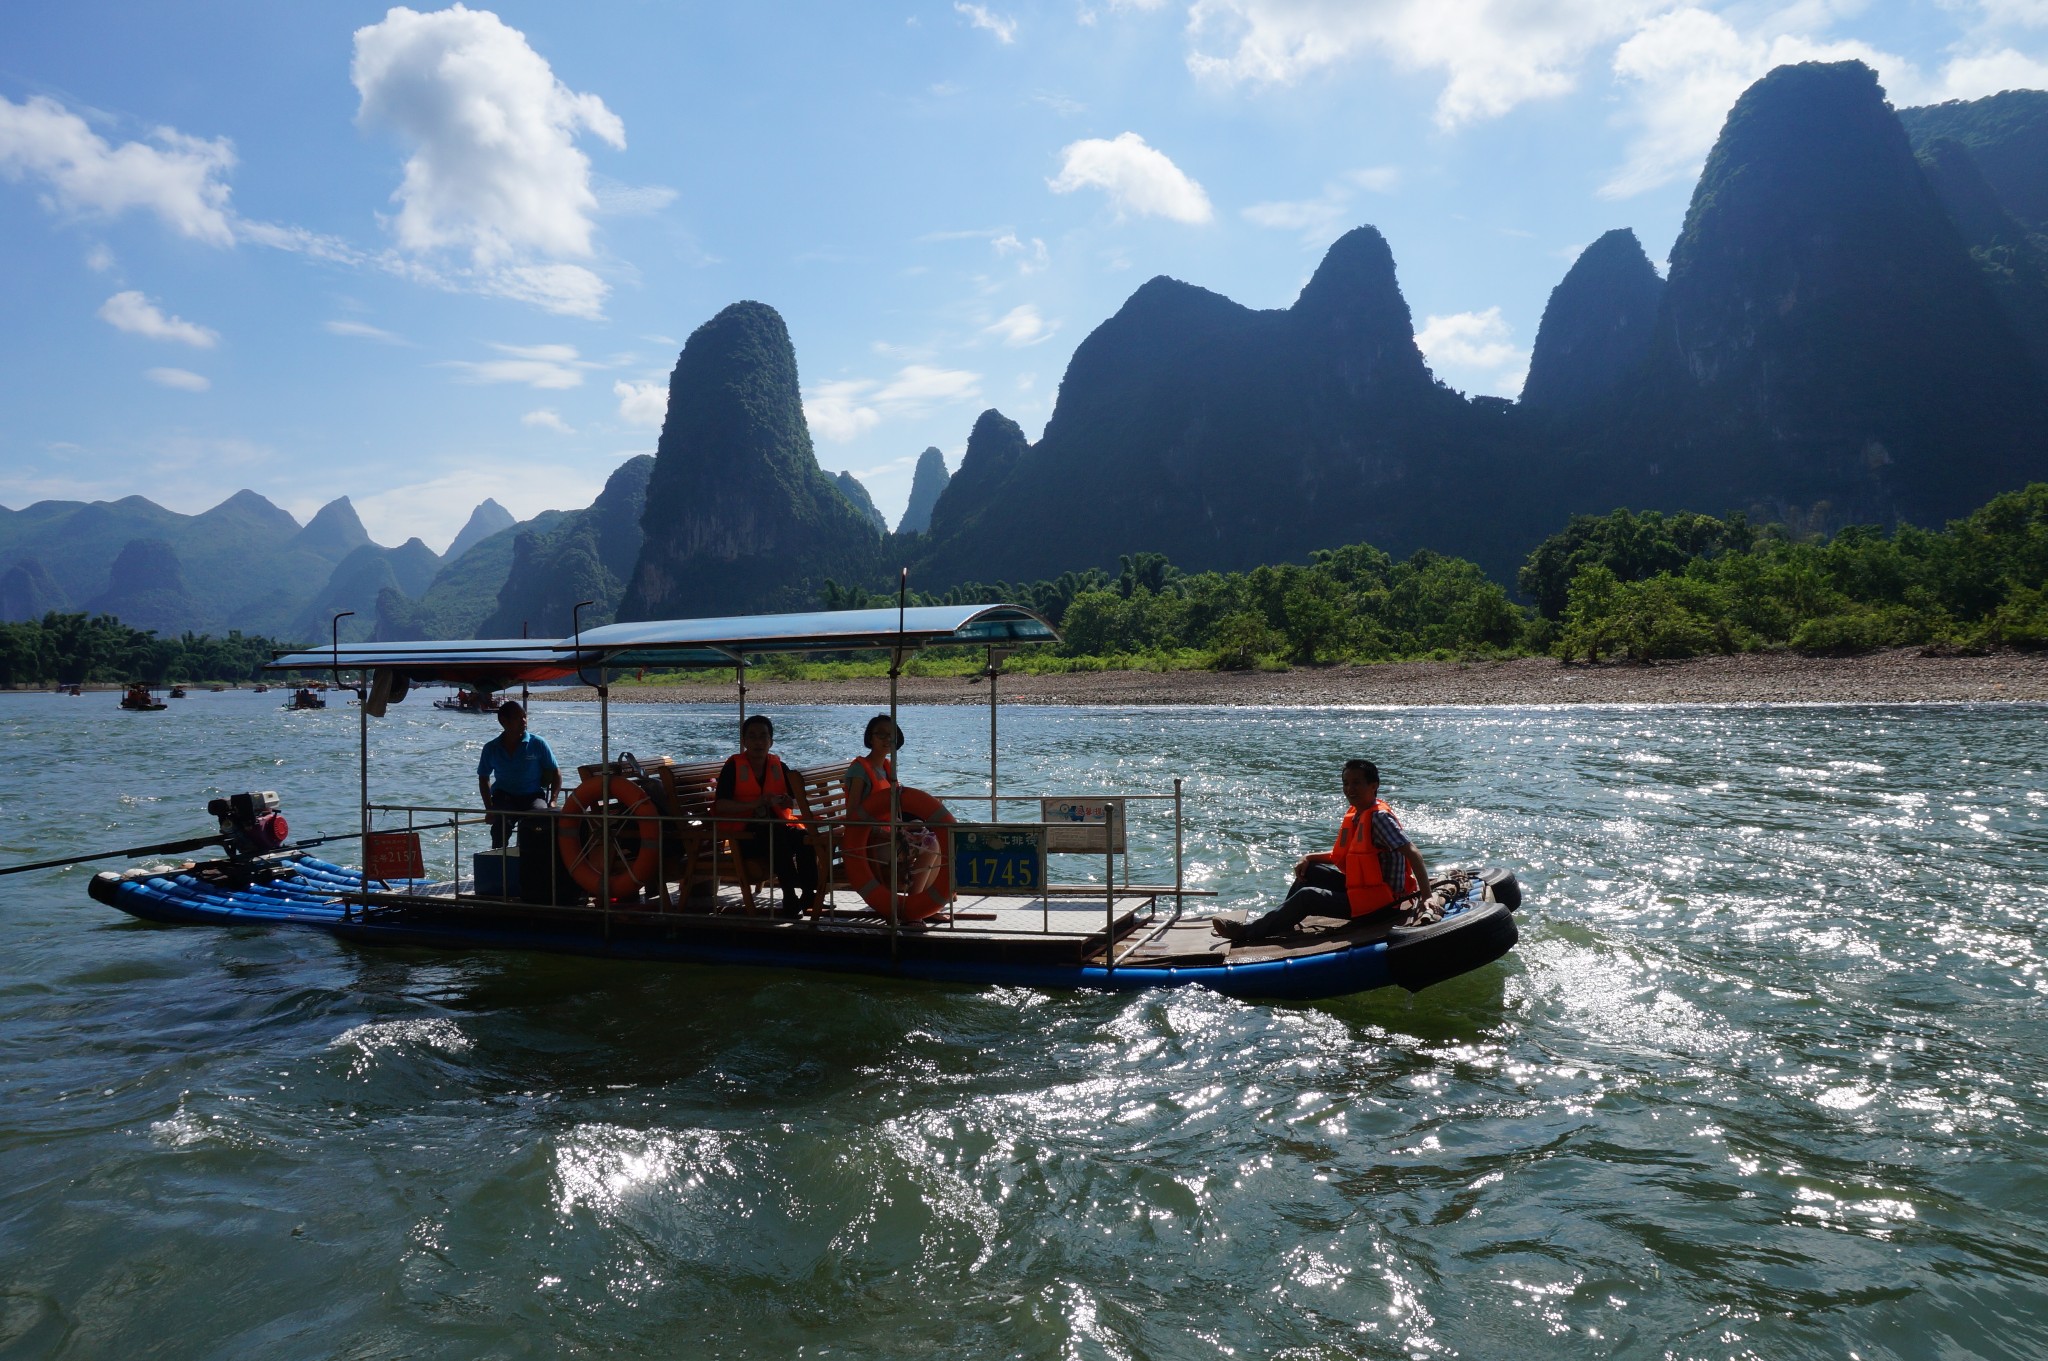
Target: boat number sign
x,y
992,858
393,855
1089,826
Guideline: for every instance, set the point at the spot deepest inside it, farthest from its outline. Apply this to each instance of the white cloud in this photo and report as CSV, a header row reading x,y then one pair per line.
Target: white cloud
x,y
1022,326
137,315
1476,342
845,409
1032,257
494,169
547,418
181,179
2013,13
835,413
362,330
1138,178
642,403
918,385
980,16
435,507
182,379
1492,54
300,241
1313,218
630,200
549,367
99,260
1987,73
569,290
1319,219
1686,69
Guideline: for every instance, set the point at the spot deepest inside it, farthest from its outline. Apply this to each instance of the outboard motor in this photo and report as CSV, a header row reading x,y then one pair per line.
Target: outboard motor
x,y
250,825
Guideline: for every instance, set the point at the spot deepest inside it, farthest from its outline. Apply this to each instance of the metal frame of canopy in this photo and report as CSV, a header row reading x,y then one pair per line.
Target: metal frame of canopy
x,y
692,644
684,644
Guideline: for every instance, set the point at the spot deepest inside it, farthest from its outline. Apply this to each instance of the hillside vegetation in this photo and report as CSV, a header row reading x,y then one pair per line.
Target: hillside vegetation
x,y
1638,585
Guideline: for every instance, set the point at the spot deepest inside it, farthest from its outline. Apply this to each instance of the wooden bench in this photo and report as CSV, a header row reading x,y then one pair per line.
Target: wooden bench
x,y
693,853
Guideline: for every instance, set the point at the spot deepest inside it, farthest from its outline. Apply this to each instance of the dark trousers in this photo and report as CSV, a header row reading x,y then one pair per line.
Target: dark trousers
x,y
783,849
503,827
1319,892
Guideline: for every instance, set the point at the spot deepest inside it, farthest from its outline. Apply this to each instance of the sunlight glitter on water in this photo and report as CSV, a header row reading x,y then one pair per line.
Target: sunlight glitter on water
x,y
1766,1075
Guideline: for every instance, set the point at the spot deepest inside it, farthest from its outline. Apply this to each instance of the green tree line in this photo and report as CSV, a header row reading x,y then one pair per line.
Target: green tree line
x,y
75,649
1345,604
1639,585
1649,586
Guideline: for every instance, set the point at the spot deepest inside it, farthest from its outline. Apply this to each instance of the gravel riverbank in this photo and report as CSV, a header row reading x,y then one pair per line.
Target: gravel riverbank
x,y
1900,676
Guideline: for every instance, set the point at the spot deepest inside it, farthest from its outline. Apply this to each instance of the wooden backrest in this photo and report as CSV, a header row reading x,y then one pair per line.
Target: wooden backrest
x,y
689,789
825,790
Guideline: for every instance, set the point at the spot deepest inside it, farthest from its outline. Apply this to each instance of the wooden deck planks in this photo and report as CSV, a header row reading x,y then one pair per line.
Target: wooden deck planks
x,y
993,926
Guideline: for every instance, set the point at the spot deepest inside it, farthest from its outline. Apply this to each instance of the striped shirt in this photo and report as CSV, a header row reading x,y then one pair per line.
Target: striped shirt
x,y
1389,840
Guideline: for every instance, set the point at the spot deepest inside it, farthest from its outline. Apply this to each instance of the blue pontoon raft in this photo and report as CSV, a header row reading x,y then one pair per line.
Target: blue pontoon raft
x,y
634,867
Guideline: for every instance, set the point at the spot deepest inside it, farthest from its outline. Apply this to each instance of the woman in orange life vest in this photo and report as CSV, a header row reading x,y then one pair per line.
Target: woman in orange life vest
x,y
1372,866
918,849
754,784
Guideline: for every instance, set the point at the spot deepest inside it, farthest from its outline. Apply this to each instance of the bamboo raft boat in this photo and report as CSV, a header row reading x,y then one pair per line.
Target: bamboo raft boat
x,y
650,875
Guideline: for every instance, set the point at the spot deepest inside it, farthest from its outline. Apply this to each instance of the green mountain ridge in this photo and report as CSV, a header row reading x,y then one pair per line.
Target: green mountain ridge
x,y
928,483
851,488
244,564
1597,328
739,517
1854,330
586,555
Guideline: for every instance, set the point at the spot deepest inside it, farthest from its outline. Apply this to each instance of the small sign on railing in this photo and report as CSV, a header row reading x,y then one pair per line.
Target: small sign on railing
x,y
991,857
1091,826
393,855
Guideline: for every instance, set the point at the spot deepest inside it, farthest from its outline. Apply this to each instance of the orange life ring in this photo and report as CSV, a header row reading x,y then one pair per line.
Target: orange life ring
x,y
863,873
579,842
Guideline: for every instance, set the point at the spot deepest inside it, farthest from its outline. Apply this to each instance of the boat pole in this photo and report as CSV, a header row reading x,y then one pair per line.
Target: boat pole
x,y
1109,886
604,757
362,746
896,785
1179,893
994,669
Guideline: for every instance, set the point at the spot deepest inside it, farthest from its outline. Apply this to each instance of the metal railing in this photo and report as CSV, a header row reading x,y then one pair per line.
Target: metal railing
x,y
624,883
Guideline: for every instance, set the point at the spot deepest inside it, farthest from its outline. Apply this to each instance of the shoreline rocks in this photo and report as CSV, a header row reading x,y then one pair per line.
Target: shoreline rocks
x,y
1900,676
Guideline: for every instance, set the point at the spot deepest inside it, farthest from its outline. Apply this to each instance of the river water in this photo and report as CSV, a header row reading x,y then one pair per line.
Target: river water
x,y
1767,1075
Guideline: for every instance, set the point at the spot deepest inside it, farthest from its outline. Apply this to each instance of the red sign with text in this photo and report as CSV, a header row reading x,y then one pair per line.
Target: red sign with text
x,y
393,855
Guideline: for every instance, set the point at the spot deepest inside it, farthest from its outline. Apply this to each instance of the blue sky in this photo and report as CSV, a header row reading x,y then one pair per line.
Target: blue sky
x,y
420,257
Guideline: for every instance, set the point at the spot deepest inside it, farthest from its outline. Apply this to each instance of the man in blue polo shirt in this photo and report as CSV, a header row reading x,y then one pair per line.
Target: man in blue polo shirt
x,y
516,773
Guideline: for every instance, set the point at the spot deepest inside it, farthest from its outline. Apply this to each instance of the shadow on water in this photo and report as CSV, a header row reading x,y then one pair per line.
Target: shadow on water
x,y
743,1038
1471,1007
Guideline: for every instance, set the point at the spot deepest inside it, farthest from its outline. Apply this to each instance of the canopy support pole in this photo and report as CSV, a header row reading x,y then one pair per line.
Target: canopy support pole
x,y
362,747
604,760
994,670
896,785
739,678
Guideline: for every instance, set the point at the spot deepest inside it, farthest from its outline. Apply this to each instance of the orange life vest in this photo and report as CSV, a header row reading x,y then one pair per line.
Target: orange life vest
x,y
1364,883
878,779
747,789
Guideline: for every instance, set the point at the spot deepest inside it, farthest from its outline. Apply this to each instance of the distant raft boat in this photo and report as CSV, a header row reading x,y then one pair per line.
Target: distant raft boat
x,y
296,889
